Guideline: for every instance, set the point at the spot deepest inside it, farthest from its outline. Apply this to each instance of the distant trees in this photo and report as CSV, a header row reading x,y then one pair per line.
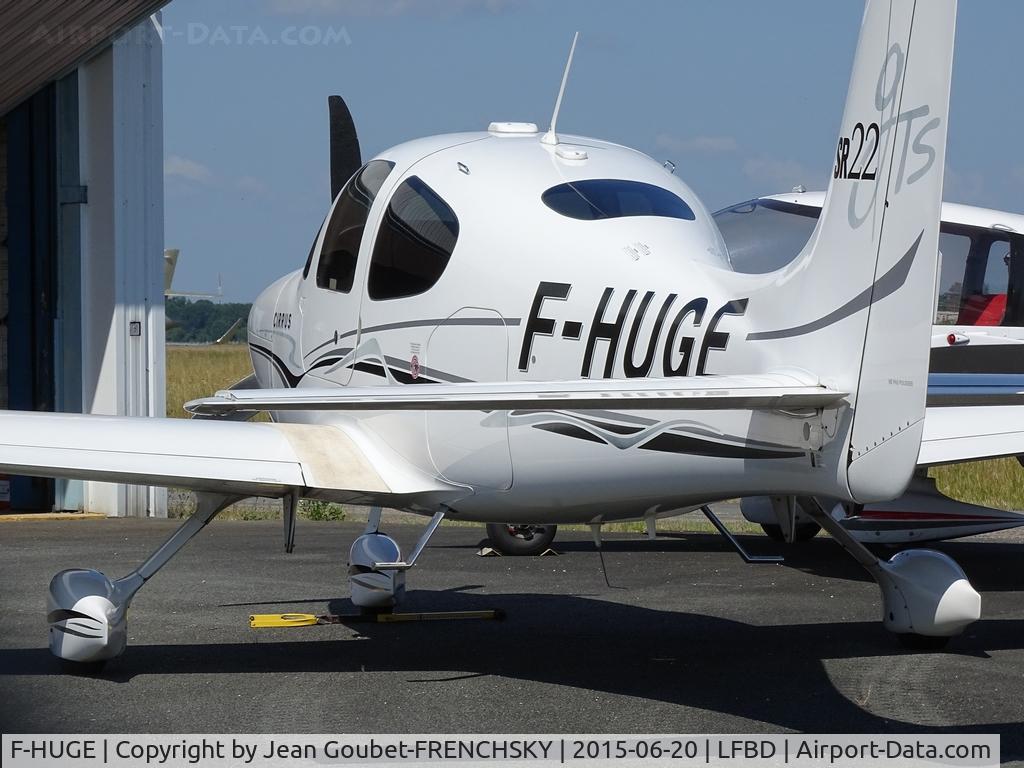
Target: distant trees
x,y
202,321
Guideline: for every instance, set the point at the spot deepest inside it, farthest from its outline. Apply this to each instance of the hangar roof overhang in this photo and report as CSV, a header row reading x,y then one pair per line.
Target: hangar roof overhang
x,y
43,39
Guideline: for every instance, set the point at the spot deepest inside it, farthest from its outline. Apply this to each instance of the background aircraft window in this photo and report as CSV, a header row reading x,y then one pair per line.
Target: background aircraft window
x,y
955,250
593,199
765,235
337,267
415,241
986,282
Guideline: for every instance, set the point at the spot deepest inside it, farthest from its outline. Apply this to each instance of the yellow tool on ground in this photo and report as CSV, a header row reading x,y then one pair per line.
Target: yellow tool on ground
x,y
263,620
260,620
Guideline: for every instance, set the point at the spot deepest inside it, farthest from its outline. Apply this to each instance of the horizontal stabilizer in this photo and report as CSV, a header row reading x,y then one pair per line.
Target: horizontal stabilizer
x,y
769,391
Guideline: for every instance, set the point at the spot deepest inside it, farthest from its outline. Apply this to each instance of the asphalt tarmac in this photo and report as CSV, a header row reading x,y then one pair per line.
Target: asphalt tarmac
x,y
688,639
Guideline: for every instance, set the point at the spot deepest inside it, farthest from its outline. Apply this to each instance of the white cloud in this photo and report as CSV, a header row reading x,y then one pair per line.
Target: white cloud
x,y
781,175
182,167
701,144
388,8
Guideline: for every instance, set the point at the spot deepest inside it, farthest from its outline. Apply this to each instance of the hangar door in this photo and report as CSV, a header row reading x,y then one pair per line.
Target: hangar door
x,y
5,487
40,295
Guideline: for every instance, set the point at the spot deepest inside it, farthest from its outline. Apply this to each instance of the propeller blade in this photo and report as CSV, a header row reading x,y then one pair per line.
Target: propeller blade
x,y
345,156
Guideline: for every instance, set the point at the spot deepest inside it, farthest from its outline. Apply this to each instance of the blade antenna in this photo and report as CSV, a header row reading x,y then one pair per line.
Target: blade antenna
x,y
551,137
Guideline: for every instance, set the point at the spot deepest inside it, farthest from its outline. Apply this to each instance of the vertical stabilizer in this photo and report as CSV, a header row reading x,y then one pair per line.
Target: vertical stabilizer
x,y
890,407
856,306
170,264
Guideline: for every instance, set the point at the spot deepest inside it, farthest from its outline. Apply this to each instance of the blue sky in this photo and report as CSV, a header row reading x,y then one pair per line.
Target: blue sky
x,y
745,98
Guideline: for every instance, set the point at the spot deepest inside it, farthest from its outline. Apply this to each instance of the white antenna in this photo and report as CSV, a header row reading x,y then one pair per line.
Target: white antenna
x,y
551,137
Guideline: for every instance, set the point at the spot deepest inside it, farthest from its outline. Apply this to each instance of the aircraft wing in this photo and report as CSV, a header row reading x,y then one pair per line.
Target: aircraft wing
x,y
971,433
252,459
769,391
972,417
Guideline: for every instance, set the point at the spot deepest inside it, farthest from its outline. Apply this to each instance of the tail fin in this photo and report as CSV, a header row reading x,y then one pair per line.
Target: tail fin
x,y
889,412
876,244
170,264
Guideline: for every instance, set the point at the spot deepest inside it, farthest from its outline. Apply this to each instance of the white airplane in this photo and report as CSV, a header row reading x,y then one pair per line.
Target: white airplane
x,y
171,256
525,327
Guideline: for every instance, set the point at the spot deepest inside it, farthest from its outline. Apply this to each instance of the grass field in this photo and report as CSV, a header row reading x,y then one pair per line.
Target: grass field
x,y
194,372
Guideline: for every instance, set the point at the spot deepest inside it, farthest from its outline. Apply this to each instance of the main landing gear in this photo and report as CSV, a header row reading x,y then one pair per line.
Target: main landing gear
x,y
521,540
88,613
926,597
801,533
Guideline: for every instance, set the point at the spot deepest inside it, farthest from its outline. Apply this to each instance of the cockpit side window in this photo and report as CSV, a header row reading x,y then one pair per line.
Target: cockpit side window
x,y
593,199
414,243
337,266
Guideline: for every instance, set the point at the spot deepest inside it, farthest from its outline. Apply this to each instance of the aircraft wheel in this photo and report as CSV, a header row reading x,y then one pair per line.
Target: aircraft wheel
x,y
914,642
804,531
523,540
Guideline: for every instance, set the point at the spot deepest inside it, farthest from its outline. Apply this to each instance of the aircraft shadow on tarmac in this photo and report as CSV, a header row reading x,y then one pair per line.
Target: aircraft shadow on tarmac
x,y
773,674
991,566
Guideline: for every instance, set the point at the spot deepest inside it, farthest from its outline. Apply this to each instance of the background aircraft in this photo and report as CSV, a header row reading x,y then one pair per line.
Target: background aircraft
x,y
171,256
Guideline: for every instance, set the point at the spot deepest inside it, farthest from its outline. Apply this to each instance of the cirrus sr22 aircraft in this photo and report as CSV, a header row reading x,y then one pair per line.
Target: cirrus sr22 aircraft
x,y
507,326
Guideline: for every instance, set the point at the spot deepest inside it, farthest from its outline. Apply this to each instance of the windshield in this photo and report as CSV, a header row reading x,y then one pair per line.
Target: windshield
x,y
340,251
764,235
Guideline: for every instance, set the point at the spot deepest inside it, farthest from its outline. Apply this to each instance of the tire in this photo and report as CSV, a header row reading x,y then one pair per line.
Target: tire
x,y
520,540
804,532
913,642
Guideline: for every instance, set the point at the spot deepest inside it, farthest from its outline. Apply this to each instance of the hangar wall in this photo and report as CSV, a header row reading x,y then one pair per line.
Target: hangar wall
x,y
122,327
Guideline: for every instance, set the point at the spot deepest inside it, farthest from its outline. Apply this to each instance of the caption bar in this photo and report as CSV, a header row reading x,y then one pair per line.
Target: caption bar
x,y
299,750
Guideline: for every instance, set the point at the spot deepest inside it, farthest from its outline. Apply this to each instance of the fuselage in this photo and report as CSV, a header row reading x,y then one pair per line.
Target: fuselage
x,y
494,257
